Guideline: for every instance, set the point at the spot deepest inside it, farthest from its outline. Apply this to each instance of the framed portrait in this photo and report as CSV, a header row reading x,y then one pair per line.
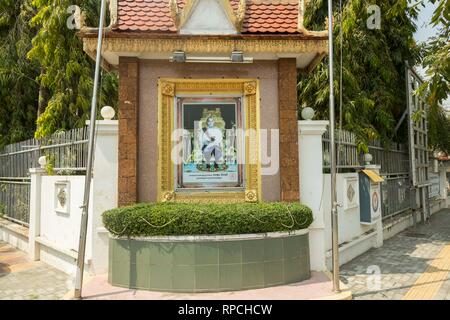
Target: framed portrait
x,y
208,141
211,144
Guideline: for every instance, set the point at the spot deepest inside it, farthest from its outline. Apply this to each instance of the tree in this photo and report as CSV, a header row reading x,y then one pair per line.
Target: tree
x,y
373,90
45,77
436,88
19,89
66,71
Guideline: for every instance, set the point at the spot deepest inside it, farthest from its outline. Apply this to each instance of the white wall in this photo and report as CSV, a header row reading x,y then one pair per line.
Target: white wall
x,y
53,234
62,230
15,239
104,191
350,227
354,238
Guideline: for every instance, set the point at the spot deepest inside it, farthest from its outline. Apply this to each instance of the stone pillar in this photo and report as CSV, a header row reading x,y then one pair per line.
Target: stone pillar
x,y
34,230
311,186
128,130
288,114
104,196
443,183
379,223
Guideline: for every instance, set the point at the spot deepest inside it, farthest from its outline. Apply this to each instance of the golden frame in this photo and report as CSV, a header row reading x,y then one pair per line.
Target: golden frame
x,y
168,89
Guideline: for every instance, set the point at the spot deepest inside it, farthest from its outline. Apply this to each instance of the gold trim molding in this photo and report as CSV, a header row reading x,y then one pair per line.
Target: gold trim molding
x,y
167,90
208,46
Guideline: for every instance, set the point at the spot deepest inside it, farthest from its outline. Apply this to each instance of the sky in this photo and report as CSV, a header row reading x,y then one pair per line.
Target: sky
x,y
424,31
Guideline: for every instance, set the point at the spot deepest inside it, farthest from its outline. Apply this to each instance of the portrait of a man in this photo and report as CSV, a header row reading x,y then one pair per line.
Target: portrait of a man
x,y
212,143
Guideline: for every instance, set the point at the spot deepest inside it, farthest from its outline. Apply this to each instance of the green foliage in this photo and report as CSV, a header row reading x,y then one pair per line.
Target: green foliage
x,y
157,219
436,61
18,87
67,72
373,90
50,164
45,77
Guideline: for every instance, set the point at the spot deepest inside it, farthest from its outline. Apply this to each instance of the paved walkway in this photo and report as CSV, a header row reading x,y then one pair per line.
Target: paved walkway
x,y
22,279
414,264
318,287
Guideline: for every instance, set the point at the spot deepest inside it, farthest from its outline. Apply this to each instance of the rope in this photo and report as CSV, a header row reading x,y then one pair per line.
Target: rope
x,y
292,219
158,227
119,233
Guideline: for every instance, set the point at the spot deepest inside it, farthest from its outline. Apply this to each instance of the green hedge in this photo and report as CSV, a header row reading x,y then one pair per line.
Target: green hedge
x,y
158,219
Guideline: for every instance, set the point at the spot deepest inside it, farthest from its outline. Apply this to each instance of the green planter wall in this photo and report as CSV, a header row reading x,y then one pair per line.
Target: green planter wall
x,y
209,263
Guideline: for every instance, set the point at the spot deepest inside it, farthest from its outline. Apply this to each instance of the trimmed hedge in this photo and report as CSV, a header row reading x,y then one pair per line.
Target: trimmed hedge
x,y
163,219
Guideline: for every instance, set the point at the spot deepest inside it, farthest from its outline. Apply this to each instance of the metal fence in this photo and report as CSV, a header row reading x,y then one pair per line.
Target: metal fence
x,y
66,153
15,200
434,188
395,189
347,156
394,161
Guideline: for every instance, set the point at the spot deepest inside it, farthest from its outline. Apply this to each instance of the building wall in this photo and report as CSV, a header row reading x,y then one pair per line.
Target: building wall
x,y
151,70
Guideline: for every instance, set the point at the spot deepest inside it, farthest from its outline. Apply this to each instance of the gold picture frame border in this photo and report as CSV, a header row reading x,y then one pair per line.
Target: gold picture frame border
x,y
168,88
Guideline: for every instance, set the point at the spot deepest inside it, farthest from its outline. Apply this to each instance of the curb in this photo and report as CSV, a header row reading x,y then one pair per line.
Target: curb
x,y
70,294
344,294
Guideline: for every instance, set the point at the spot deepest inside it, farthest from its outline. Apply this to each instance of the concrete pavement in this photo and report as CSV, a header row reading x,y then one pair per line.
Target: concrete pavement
x,y
414,264
23,279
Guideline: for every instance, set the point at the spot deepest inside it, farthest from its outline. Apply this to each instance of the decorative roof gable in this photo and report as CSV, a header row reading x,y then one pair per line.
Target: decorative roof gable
x,y
231,16
206,17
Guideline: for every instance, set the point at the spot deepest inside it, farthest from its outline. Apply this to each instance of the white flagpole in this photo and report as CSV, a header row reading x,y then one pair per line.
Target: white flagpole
x,y
334,213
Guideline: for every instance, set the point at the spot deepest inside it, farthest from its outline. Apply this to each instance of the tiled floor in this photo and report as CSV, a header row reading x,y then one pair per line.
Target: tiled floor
x,y
412,264
22,279
415,263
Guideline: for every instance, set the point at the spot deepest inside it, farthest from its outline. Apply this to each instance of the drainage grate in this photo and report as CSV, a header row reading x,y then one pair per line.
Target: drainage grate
x,y
415,235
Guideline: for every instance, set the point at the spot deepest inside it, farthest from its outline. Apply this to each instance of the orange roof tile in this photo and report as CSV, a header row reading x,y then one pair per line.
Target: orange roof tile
x,y
261,16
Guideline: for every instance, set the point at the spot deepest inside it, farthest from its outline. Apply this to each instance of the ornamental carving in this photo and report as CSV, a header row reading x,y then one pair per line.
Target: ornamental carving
x,y
249,88
62,197
168,196
168,89
251,196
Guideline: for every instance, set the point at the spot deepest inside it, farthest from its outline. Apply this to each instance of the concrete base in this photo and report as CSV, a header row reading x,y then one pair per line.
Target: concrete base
x,y
14,234
209,263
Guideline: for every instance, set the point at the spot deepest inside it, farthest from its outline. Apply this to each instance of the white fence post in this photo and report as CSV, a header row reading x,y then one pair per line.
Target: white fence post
x,y
104,189
379,222
443,183
35,212
311,185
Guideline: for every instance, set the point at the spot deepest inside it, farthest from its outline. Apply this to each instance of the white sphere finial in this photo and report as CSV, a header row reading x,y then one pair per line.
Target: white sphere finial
x,y
308,113
42,161
367,158
108,112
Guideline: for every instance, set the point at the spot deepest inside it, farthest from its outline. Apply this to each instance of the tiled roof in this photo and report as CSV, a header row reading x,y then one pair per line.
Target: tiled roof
x,y
261,16
271,17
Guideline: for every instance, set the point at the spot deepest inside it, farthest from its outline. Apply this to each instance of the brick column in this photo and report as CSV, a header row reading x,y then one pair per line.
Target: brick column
x,y
128,130
287,107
